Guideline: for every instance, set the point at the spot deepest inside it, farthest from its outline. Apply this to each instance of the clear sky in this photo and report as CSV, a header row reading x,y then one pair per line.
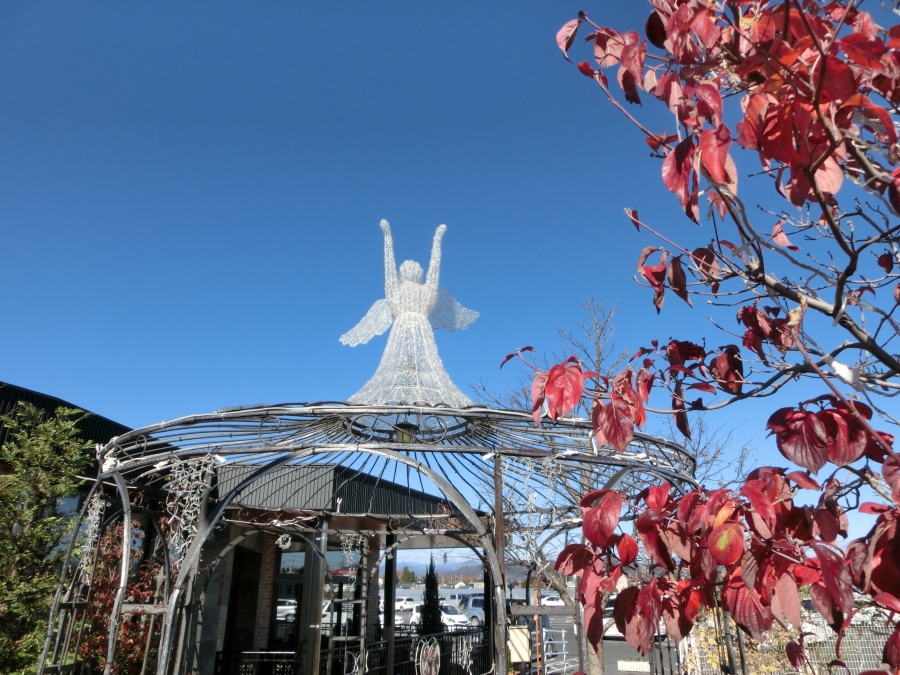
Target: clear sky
x,y
190,194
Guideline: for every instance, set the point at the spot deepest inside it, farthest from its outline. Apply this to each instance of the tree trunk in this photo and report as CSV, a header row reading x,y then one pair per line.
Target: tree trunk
x,y
595,660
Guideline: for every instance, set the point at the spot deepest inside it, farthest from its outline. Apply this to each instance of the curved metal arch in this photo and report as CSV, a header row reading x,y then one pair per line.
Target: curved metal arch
x,y
124,566
67,561
443,485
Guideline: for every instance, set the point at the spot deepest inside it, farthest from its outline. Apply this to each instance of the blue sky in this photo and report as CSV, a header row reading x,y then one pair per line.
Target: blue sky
x,y
190,195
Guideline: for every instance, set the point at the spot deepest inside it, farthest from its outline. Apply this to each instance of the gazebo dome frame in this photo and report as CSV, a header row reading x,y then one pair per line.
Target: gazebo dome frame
x,y
203,468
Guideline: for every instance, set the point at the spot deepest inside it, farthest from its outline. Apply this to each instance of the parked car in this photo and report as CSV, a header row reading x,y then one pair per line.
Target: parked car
x,y
473,607
404,604
457,599
330,615
552,600
451,617
398,620
286,610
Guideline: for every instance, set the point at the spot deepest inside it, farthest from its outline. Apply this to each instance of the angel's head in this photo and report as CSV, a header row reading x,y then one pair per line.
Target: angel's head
x,y
410,270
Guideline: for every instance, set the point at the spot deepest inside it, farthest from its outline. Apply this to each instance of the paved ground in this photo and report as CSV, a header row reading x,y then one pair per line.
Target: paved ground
x,y
615,652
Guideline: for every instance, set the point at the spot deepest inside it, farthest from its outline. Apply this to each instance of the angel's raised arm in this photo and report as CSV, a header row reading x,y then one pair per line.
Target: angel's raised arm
x,y
434,267
390,266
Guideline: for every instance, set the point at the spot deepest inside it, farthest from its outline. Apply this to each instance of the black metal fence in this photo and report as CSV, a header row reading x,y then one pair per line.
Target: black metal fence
x,y
462,652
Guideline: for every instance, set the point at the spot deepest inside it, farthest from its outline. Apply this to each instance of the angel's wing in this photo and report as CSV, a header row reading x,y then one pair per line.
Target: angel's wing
x,y
449,314
377,320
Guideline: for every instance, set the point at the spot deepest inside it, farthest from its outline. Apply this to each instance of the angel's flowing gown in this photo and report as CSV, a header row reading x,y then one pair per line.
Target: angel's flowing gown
x,y
411,371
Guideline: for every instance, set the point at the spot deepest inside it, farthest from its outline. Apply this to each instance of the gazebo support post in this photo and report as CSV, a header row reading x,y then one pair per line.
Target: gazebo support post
x,y
390,597
309,646
499,597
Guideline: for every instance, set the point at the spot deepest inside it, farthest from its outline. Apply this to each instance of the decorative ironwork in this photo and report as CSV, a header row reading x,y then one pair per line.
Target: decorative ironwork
x,y
185,502
92,524
428,657
349,544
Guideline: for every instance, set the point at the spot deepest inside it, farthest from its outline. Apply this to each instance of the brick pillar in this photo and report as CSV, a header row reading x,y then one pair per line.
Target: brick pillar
x,y
266,587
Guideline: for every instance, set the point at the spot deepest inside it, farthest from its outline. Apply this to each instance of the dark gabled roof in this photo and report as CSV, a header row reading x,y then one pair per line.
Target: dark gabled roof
x,y
327,487
94,428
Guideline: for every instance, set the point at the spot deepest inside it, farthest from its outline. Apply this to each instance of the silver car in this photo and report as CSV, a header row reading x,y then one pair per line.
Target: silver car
x,y
451,617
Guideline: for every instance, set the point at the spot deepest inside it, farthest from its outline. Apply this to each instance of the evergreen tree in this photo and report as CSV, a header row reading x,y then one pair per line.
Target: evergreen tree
x,y
46,456
407,576
430,620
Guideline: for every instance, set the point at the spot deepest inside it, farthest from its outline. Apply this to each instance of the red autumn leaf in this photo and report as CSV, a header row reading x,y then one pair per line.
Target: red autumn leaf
x,y
891,472
657,496
800,437
591,497
608,45
836,577
679,612
886,262
677,279
633,60
649,524
713,152
681,419
726,543
573,559
827,525
755,492
803,480
894,189
891,653
780,238
746,607
655,29
601,520
704,26
788,598
709,101
646,252
564,386
795,654
586,69
614,423
708,266
566,36
633,216
629,85
644,383
627,549
637,615
871,116
538,395
728,369
677,167
656,276
624,607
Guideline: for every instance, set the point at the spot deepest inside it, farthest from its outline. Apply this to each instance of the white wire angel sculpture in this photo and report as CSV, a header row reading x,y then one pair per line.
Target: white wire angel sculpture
x,y
411,371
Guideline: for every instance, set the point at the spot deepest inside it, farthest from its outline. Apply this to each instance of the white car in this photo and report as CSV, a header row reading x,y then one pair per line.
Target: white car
x,y
451,617
398,620
330,616
404,604
286,610
552,601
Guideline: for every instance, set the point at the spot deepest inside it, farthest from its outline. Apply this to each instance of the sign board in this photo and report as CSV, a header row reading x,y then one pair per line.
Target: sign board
x,y
519,644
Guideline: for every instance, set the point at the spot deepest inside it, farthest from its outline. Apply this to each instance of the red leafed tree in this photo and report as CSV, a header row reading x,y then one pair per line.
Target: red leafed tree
x,y
138,635
810,91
